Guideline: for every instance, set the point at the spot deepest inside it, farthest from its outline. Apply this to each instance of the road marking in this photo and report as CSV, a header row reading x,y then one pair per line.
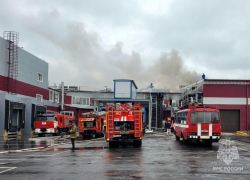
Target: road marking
x,y
9,169
238,148
243,149
60,153
243,144
11,159
47,155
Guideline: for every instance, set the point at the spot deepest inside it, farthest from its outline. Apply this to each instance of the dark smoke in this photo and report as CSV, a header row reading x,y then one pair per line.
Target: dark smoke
x,y
84,62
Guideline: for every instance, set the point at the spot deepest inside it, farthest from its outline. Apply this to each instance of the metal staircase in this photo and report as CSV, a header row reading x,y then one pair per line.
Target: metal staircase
x,y
13,38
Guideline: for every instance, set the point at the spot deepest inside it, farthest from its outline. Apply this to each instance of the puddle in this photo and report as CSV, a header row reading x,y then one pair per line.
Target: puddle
x,y
24,142
79,148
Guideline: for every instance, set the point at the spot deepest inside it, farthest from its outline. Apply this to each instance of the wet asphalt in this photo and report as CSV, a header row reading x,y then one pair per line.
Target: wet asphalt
x,y
159,157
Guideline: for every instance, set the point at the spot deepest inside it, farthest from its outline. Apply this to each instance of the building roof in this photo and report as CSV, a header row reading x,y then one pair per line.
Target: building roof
x,y
124,80
239,80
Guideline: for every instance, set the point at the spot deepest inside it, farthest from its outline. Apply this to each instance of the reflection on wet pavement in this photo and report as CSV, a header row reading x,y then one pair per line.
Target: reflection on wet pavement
x,y
24,142
78,148
127,162
15,143
158,158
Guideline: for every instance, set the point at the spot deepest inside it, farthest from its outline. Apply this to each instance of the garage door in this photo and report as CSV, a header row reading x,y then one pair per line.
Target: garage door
x,y
230,120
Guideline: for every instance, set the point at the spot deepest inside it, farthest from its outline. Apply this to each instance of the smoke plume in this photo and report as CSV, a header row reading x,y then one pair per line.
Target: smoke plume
x,y
83,61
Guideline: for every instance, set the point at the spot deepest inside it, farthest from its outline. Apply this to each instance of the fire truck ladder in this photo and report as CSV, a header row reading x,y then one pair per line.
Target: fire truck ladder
x,y
137,123
110,127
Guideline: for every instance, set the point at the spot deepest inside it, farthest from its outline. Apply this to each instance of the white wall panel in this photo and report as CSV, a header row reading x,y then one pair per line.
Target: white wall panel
x,y
229,101
123,89
4,57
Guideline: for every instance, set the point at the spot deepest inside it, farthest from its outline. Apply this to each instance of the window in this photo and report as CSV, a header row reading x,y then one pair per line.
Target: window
x,y
81,100
39,77
56,97
39,97
66,121
208,117
45,118
184,118
178,118
51,95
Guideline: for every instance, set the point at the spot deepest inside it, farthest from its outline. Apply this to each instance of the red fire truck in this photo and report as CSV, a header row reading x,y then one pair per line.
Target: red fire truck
x,y
92,123
124,124
51,123
198,123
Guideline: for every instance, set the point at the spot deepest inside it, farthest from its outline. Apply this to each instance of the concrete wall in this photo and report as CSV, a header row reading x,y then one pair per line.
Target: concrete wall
x,y
28,66
28,114
4,57
2,113
5,96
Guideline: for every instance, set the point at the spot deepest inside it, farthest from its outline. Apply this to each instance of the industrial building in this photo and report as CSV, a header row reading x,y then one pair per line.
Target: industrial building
x,y
230,96
156,103
23,87
24,92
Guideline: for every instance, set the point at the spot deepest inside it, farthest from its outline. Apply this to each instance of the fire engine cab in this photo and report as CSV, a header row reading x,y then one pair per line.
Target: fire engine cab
x,y
92,124
198,123
51,123
124,124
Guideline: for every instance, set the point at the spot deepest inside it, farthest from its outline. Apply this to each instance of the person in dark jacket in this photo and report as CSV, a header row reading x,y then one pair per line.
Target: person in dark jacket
x,y
168,127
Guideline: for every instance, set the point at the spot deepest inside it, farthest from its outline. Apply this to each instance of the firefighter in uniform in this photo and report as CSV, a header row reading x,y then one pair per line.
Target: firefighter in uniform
x,y
73,133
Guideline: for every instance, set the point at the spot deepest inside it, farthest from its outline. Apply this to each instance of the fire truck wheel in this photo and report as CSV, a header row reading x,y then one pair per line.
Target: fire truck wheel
x,y
137,143
58,132
177,138
208,142
113,144
184,141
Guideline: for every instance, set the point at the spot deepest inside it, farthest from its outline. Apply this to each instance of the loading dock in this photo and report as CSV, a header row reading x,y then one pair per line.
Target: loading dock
x,y
14,117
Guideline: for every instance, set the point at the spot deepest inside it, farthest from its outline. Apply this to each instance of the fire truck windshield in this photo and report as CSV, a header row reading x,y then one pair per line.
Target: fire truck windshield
x,y
45,118
207,117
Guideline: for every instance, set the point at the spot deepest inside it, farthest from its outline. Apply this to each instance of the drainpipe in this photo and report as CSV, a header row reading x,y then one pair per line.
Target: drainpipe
x,y
62,90
247,106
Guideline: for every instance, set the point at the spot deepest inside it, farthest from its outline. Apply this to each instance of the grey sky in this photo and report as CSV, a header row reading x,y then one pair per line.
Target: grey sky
x,y
90,43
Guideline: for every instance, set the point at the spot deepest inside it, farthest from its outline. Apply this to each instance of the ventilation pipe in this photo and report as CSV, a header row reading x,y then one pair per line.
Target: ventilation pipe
x,y
62,99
